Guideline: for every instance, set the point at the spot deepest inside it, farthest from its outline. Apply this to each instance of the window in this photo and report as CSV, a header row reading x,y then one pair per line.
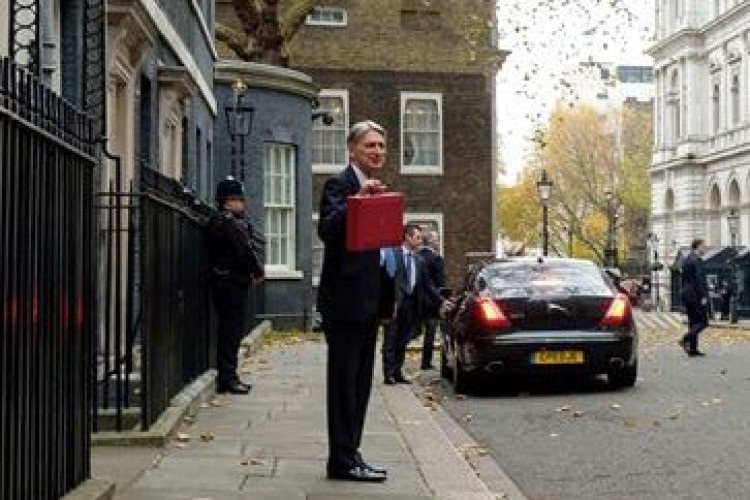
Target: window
x,y
736,109
428,222
317,251
635,74
279,165
327,16
329,141
421,133
4,28
716,103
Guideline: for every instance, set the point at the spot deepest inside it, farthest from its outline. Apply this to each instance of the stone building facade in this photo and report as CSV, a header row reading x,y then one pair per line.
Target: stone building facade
x,y
426,72
701,165
160,102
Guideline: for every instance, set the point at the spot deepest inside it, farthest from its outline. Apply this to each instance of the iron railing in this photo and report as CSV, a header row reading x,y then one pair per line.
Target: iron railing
x,y
156,322
46,289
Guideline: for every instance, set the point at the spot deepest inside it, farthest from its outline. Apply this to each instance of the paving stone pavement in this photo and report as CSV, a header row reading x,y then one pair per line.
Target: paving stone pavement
x,y
272,444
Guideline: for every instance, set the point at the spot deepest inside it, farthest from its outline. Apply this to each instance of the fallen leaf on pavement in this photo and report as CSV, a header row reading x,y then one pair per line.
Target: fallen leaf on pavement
x,y
467,418
723,371
657,423
564,408
578,413
188,419
463,396
673,416
615,406
631,422
207,436
553,435
716,401
183,437
217,402
181,445
705,404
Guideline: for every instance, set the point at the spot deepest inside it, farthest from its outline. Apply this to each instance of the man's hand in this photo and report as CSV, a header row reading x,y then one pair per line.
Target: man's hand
x,y
372,186
446,307
704,301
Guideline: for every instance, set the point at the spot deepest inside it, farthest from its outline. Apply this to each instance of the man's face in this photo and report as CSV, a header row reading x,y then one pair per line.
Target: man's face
x,y
368,153
701,250
414,240
235,205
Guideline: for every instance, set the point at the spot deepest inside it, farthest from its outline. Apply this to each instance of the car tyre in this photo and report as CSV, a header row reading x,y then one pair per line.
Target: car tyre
x,y
463,381
445,370
624,377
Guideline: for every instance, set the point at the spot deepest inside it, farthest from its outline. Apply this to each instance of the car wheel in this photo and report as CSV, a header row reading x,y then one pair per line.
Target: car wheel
x,y
445,370
463,381
624,377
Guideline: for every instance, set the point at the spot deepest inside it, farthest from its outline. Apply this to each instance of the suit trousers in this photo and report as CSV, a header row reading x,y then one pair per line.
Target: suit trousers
x,y
697,322
230,300
398,333
428,343
351,359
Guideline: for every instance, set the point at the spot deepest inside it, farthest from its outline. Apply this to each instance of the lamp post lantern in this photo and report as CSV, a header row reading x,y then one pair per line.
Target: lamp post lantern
x,y
610,249
733,219
544,189
656,267
239,124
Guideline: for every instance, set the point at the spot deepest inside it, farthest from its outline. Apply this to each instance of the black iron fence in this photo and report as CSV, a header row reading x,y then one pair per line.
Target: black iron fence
x,y
46,289
156,322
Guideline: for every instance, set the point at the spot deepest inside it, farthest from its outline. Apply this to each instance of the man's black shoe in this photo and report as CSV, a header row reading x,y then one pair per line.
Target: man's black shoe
x,y
389,381
373,468
428,367
356,473
233,388
402,380
684,344
695,353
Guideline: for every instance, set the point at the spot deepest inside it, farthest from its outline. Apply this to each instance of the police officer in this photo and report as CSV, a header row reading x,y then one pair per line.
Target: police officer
x,y
236,264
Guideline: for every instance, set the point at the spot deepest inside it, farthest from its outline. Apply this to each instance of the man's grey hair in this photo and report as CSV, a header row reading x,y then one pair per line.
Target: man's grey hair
x,y
359,129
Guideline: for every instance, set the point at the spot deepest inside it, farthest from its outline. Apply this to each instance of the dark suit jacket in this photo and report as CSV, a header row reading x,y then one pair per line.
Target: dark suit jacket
x,y
436,272
349,281
694,285
426,295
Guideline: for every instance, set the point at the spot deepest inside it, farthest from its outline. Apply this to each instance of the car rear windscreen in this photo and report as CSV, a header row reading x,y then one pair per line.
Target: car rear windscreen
x,y
531,279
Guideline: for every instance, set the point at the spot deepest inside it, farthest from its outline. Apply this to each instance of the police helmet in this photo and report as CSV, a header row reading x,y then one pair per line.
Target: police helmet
x,y
229,188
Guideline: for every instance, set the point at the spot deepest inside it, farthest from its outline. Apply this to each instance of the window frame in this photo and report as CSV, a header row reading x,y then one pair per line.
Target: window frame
x,y
326,168
438,169
288,270
329,24
437,217
316,243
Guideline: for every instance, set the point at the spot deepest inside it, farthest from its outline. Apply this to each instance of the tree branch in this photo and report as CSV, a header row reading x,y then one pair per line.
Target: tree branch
x,y
238,42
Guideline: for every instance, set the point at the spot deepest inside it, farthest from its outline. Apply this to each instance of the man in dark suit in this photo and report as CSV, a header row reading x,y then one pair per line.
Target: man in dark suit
x,y
695,297
413,292
436,272
348,302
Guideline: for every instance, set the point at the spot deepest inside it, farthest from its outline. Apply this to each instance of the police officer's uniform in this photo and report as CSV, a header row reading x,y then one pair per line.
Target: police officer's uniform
x,y
236,262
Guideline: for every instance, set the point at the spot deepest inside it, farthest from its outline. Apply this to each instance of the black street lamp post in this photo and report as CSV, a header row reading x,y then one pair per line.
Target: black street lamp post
x,y
610,249
656,267
239,124
544,188
734,225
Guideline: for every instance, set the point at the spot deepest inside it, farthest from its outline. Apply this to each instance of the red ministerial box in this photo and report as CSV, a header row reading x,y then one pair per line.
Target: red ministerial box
x,y
374,221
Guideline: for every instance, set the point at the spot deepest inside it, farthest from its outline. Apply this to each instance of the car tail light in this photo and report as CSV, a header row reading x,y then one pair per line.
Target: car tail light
x,y
618,313
491,314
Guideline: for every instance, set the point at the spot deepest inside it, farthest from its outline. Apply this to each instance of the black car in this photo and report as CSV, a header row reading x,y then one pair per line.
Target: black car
x,y
539,315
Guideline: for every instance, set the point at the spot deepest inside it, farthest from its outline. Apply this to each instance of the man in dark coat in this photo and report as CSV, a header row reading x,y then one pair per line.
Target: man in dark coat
x,y
436,272
235,264
414,293
695,297
348,302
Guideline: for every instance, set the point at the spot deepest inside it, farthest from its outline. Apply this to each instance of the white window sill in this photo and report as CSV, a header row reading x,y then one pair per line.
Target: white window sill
x,y
284,274
409,170
327,169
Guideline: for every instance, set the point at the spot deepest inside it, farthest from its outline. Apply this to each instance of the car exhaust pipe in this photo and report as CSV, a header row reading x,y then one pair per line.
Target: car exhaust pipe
x,y
494,366
617,363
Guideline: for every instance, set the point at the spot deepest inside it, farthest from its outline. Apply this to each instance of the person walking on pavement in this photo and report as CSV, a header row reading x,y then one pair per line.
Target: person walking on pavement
x,y
695,297
348,298
436,272
413,291
234,266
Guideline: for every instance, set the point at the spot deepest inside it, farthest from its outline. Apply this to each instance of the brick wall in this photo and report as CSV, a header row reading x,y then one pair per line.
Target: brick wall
x,y
463,194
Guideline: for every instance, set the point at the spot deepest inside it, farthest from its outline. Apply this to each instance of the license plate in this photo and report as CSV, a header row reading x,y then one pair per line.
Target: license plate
x,y
557,358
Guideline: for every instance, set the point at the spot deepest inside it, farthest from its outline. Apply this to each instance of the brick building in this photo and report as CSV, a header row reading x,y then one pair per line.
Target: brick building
x,y
425,71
